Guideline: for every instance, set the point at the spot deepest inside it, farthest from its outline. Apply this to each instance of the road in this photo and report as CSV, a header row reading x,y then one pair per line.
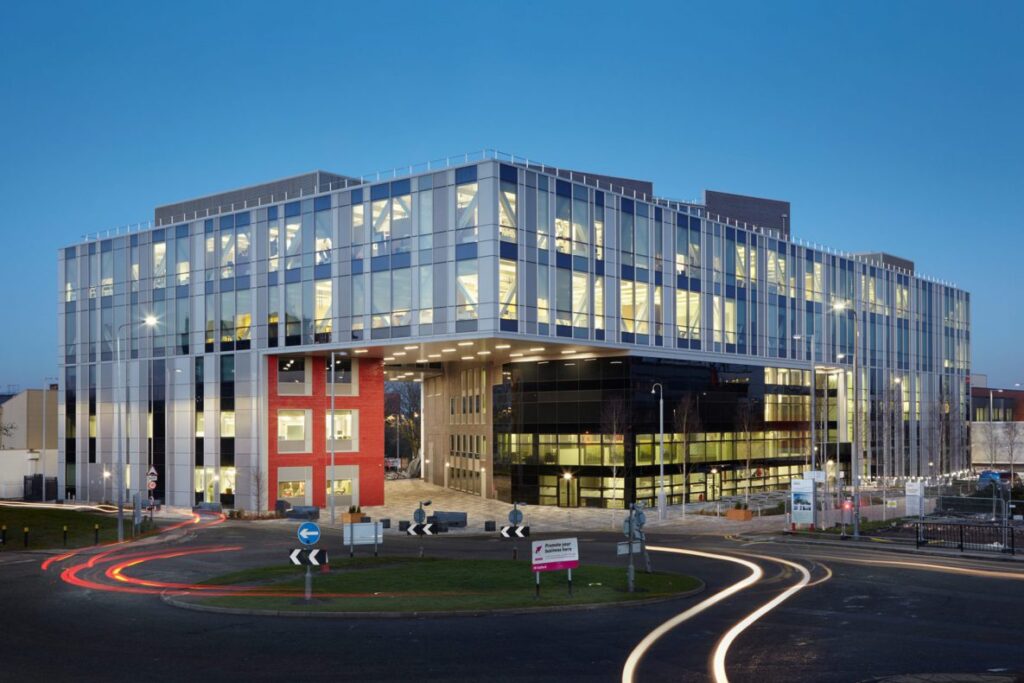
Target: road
x,y
865,614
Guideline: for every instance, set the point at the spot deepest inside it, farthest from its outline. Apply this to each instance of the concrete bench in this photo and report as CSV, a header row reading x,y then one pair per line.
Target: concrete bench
x,y
450,519
303,512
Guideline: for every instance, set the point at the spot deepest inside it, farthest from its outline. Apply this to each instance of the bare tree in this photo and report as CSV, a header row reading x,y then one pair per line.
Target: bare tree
x,y
6,430
1011,437
615,422
745,419
257,485
686,419
402,400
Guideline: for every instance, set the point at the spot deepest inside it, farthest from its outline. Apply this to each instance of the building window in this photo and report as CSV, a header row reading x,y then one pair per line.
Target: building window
x,y
292,491
401,296
274,251
343,375
293,242
322,320
507,201
507,289
467,205
291,375
426,294
467,290
227,424
580,300
323,237
343,435
159,264
292,435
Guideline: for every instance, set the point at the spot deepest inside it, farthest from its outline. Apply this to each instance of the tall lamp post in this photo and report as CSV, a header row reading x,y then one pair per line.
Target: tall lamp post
x,y
333,434
42,447
661,450
855,460
150,321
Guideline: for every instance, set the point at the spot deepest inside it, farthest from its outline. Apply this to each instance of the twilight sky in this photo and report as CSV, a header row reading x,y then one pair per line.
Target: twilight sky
x,y
890,126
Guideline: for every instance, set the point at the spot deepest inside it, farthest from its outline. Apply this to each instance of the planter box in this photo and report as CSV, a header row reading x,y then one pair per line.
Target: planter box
x,y
352,517
739,515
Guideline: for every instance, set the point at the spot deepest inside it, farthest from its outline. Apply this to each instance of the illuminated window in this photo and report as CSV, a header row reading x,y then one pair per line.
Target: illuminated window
x,y
543,295
507,289
599,232
159,264
227,254
291,430
342,487
274,251
322,300
598,302
200,424
181,264
292,491
563,224
344,431
467,289
401,216
380,212
626,311
227,316
681,319
358,224
693,310
227,424
730,321
580,300
642,308
467,206
507,200
324,237
563,296
293,242
243,315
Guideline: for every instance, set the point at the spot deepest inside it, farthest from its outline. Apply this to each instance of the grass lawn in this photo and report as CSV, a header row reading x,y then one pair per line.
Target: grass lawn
x,y
46,527
447,585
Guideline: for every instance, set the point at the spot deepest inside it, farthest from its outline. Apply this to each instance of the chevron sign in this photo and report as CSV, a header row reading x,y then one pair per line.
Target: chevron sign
x,y
314,557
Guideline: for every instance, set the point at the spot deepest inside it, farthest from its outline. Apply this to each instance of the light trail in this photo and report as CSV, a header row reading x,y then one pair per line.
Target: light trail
x,y
756,573
928,566
722,648
59,506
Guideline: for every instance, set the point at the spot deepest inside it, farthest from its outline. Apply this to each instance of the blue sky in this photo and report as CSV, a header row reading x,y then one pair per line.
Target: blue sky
x,y
890,126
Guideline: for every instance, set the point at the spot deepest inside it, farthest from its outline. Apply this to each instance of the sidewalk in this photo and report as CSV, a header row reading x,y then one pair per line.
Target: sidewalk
x,y
403,496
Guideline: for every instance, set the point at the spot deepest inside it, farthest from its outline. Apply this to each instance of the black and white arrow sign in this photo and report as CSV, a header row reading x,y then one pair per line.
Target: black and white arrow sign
x,y
515,531
314,557
421,529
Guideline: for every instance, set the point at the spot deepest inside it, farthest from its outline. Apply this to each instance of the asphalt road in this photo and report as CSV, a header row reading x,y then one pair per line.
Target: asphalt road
x,y
863,617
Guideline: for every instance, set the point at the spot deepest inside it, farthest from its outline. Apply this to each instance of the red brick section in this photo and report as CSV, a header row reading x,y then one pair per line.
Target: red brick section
x,y
369,403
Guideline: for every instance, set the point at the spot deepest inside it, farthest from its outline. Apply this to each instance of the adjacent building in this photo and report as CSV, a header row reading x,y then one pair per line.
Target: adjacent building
x,y
538,306
997,427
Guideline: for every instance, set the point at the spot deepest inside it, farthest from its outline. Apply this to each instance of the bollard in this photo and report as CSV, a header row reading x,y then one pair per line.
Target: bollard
x,y
26,536
65,535
96,534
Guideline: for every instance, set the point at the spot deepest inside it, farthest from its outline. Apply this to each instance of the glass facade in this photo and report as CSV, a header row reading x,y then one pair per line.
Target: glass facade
x,y
498,249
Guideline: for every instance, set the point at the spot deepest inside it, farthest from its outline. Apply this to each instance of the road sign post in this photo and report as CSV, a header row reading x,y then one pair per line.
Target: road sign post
x,y
364,533
309,534
554,555
515,518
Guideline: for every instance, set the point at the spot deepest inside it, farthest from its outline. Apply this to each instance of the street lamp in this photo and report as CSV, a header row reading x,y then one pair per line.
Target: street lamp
x,y
661,449
149,321
855,460
334,432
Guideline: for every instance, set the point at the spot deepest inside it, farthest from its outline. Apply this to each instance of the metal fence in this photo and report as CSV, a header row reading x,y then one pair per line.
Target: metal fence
x,y
983,537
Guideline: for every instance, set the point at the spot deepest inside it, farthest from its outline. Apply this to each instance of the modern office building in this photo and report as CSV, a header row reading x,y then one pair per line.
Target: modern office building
x,y
539,307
